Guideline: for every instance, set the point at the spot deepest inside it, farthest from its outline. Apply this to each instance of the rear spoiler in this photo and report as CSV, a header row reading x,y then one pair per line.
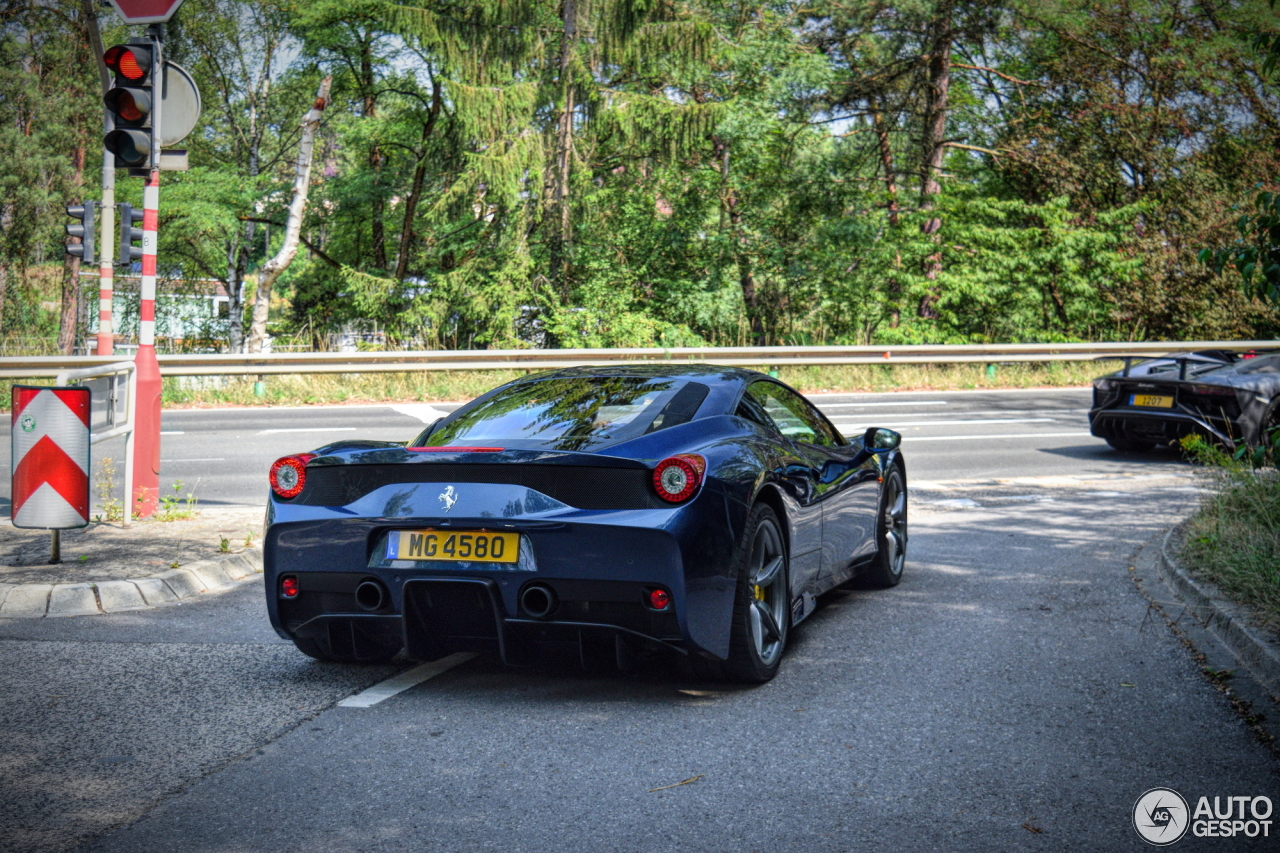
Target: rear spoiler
x,y
1217,357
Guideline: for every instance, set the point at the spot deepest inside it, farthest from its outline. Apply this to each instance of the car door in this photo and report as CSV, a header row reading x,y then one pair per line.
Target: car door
x,y
845,490
798,480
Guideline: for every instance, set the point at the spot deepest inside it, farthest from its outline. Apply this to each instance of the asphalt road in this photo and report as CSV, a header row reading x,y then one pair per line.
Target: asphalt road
x,y
1014,693
222,455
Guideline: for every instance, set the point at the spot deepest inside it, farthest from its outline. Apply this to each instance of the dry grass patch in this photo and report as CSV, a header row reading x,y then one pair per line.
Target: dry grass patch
x,y
1234,541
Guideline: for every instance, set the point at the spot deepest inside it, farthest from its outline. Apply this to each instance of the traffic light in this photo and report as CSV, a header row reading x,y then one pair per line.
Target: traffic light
x,y
129,232
85,215
131,102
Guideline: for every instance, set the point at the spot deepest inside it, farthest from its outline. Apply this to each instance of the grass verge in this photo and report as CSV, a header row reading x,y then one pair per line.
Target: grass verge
x,y
1233,540
449,385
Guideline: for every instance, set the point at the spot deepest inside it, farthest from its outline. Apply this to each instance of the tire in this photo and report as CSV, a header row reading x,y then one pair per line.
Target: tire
x,y
313,649
761,605
885,569
1270,421
1129,445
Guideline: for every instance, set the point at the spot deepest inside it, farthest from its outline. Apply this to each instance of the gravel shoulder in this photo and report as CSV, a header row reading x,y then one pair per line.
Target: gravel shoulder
x,y
108,551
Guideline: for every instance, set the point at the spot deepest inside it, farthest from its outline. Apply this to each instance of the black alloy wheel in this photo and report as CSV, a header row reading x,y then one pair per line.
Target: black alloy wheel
x,y
886,568
761,605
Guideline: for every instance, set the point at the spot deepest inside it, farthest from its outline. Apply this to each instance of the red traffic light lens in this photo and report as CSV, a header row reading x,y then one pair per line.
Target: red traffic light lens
x,y
131,106
130,64
128,110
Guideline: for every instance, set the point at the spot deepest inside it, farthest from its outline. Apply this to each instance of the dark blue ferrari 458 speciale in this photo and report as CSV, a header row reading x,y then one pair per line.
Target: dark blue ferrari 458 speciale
x,y
696,509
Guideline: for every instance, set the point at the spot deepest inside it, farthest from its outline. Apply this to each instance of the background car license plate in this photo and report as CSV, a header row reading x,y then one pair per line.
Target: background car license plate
x,y
453,545
1152,400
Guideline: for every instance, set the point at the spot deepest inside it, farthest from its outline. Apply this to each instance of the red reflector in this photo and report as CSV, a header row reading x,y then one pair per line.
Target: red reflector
x,y
659,599
289,587
456,449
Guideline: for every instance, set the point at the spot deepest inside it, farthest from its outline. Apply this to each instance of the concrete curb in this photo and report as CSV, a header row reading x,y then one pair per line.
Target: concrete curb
x,y
1227,622
37,600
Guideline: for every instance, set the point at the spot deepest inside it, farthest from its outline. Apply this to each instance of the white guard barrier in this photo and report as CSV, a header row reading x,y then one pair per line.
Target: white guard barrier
x,y
50,461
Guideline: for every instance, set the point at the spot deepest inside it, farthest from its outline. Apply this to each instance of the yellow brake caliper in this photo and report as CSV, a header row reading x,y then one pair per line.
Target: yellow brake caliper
x,y
759,591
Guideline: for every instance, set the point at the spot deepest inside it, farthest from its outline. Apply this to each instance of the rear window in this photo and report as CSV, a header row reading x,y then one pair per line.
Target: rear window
x,y
578,413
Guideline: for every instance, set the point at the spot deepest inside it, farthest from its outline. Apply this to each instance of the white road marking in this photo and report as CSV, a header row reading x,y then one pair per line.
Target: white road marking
x,y
907,438
200,459
1039,410
405,680
956,422
172,432
421,411
955,503
307,429
902,403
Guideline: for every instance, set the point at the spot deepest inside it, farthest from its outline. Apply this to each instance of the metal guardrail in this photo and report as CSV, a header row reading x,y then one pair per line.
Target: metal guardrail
x,y
531,359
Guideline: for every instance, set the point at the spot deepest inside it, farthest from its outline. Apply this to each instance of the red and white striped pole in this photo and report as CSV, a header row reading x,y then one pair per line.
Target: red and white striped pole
x,y
146,457
106,286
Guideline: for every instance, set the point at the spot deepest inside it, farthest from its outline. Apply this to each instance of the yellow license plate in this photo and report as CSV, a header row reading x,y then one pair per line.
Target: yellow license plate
x,y
1151,401
483,546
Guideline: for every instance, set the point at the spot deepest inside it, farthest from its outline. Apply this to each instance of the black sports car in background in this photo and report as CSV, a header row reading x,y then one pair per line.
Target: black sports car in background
x,y
1226,397
695,509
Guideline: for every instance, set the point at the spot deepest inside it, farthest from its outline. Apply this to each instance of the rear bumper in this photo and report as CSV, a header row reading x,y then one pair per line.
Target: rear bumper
x,y
599,565
444,615
1160,427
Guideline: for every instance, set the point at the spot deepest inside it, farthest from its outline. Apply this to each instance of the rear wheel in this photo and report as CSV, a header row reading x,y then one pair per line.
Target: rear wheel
x,y
761,605
1270,422
886,568
1129,445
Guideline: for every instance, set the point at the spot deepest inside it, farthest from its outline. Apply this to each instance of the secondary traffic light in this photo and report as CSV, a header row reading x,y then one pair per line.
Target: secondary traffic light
x,y
131,102
129,233
85,215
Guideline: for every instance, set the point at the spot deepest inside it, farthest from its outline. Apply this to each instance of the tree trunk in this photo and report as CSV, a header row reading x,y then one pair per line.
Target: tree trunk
x,y
891,187
235,296
377,211
415,189
746,273
934,141
272,269
562,239
70,313
4,291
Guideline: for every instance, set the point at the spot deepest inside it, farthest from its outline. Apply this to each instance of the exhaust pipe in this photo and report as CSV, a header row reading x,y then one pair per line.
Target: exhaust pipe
x,y
371,595
538,600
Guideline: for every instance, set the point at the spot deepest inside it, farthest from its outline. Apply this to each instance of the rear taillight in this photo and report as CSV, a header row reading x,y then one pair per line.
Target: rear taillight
x,y
289,587
676,478
289,474
1212,391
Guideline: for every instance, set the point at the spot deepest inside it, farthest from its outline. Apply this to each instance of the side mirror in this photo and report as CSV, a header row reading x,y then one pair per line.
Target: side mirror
x,y
880,440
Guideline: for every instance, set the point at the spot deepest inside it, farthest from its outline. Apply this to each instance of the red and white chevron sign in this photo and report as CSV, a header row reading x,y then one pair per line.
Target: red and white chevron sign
x,y
50,457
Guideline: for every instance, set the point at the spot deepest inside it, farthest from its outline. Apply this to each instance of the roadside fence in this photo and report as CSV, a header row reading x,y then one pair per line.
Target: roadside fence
x,y
236,364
